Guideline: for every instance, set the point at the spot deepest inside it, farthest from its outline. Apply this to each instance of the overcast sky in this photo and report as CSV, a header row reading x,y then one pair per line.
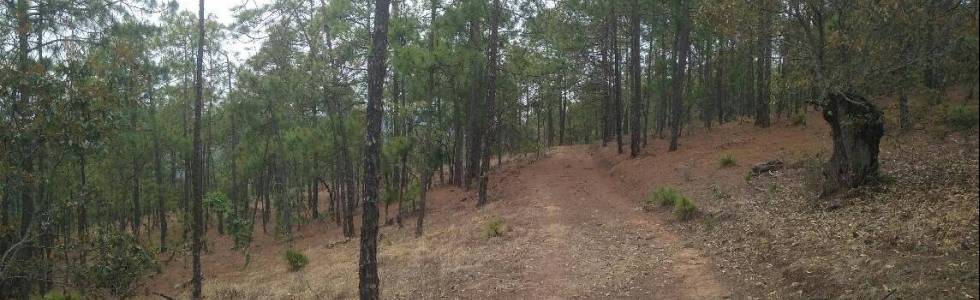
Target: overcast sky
x,y
221,9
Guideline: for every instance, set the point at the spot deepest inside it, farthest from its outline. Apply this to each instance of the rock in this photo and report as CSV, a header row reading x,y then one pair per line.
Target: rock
x,y
763,167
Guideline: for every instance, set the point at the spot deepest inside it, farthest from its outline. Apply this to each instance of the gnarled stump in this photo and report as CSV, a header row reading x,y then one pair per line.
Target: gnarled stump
x,y
856,127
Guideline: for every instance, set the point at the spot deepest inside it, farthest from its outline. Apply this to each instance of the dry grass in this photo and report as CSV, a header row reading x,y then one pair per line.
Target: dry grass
x,y
912,236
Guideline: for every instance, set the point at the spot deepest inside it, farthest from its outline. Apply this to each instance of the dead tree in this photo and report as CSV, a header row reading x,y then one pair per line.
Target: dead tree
x,y
856,126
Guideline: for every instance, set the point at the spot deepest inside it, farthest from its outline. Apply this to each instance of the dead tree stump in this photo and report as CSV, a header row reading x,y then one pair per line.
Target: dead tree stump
x,y
856,127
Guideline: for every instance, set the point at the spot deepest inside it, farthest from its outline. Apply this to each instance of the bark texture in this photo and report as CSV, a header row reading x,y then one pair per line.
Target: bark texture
x,y
368,281
856,127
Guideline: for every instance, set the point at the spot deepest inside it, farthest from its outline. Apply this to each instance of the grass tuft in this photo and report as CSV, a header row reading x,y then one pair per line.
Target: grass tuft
x,y
663,197
494,227
684,209
961,117
668,197
296,259
727,161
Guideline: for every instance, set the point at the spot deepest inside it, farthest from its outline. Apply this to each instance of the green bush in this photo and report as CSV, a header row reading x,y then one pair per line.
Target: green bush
x,y
684,209
296,259
961,117
117,261
726,161
494,227
663,196
62,296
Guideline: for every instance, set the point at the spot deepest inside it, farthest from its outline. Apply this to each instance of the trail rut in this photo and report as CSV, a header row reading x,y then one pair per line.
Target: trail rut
x,y
596,242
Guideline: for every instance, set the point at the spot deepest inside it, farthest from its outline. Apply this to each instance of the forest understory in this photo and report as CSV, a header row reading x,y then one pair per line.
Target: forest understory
x,y
573,224
489,149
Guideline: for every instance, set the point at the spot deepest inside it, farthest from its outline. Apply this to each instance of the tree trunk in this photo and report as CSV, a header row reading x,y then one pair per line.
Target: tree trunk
x,y
158,178
856,127
635,110
474,117
905,120
24,159
137,211
606,88
617,80
426,175
491,120
368,283
562,111
765,66
198,160
680,63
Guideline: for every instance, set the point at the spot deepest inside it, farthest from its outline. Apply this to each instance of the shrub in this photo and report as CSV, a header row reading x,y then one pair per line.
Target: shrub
x,y
961,117
494,227
62,296
726,161
663,196
117,261
684,209
296,259
240,230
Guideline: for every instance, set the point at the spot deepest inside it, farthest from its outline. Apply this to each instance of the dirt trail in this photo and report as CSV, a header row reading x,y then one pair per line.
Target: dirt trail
x,y
595,241
573,232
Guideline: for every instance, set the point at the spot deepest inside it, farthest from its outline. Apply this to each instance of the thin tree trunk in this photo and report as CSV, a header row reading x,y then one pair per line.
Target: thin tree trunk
x,y
617,79
491,120
635,110
426,175
368,281
765,66
680,63
158,177
137,216
198,167
474,117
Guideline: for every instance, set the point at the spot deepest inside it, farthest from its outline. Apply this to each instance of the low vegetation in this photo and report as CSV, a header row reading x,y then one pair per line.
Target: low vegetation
x,y
57,295
295,259
117,262
112,125
727,161
961,117
667,197
663,197
684,209
494,227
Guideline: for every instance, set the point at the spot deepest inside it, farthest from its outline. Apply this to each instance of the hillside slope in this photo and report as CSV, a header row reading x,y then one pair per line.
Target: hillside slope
x,y
574,226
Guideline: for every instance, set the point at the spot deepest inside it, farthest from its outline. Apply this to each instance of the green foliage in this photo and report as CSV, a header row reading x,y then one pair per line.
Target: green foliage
x,y
684,209
494,227
663,197
217,202
727,161
669,197
57,295
240,229
117,261
295,259
961,117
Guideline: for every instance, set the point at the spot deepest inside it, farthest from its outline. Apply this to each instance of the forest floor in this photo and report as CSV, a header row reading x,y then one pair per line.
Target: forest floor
x,y
569,232
575,227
